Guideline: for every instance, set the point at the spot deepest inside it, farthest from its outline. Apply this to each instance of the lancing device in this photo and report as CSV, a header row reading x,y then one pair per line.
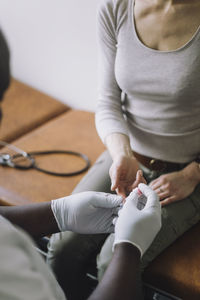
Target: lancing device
x,y
142,200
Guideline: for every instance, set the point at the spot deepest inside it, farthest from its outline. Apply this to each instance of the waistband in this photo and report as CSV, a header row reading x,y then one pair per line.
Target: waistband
x,y
158,165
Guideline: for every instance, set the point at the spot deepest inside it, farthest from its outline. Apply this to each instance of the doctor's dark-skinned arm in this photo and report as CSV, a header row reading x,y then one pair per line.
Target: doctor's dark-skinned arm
x,y
135,230
87,212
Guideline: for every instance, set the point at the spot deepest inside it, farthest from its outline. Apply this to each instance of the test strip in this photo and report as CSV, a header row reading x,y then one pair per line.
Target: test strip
x,y
142,199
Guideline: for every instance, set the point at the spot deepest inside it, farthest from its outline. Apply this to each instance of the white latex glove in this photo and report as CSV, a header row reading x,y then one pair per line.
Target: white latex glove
x,y
139,227
87,212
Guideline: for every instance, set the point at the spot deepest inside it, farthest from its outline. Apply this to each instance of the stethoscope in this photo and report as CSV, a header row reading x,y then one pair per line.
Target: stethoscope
x,y
29,158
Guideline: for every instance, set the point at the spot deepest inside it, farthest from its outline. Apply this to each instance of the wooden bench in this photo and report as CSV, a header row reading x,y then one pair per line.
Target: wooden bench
x,y
25,109
73,130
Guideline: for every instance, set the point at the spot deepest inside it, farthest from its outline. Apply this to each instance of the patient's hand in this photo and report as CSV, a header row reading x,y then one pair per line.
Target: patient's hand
x,y
175,186
125,175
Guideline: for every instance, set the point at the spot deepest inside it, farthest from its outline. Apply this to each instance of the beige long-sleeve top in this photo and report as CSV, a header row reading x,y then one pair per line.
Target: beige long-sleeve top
x,y
160,89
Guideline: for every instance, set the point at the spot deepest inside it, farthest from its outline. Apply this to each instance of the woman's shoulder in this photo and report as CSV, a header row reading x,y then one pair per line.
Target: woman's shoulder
x,y
113,8
113,3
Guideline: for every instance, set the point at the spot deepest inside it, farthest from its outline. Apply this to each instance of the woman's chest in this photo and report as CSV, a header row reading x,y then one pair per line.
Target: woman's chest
x,y
166,29
175,74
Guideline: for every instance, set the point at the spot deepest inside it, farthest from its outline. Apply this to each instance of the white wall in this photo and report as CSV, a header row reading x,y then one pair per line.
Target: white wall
x,y
53,47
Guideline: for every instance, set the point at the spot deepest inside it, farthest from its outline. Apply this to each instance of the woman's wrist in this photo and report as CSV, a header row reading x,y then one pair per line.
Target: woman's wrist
x,y
119,146
192,172
125,152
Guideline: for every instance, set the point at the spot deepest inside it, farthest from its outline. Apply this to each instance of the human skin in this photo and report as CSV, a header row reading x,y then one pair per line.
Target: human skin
x,y
124,173
123,271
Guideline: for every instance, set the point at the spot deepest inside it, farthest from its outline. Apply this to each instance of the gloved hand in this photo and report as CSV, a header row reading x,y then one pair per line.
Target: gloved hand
x,y
87,212
139,227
